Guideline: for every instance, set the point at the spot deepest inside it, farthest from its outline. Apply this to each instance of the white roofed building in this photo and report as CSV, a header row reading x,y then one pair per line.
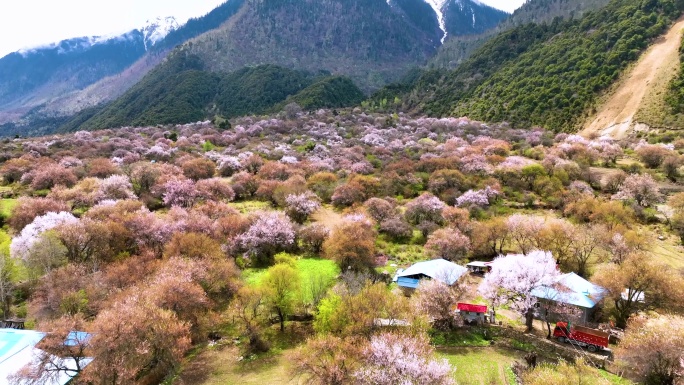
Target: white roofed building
x,y
18,349
437,269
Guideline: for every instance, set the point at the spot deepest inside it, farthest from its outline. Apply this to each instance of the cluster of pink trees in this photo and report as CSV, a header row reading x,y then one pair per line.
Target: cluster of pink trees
x,y
514,277
271,232
108,214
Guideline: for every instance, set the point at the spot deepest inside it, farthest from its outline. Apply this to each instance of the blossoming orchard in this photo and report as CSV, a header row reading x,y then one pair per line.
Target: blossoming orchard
x,y
312,245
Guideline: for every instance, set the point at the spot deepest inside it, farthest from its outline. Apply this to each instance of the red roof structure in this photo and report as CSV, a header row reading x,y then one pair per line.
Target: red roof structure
x,y
473,308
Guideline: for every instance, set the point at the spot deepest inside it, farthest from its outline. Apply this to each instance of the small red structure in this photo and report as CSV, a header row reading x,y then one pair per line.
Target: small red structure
x,y
472,308
472,314
592,339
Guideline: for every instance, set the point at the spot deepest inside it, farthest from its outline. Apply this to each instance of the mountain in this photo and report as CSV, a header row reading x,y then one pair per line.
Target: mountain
x,y
468,17
371,41
36,115
182,91
548,75
31,77
450,17
156,30
456,50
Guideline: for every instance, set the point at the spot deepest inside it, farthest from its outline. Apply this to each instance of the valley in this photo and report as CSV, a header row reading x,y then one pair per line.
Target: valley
x,y
348,192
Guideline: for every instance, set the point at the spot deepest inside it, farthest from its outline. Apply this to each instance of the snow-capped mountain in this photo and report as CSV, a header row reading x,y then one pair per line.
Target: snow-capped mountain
x,y
156,30
34,76
374,43
450,17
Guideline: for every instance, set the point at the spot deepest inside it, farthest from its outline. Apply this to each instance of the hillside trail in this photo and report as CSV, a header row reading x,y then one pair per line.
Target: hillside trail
x,y
327,217
616,117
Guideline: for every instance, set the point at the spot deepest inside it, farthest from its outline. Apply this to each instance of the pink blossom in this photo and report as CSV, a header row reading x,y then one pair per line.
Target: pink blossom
x,y
426,207
116,187
515,163
180,192
21,245
300,206
513,278
406,360
270,232
477,198
475,164
640,188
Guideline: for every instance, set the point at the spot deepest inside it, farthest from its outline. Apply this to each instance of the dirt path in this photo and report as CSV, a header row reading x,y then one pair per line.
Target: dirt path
x,y
616,116
327,217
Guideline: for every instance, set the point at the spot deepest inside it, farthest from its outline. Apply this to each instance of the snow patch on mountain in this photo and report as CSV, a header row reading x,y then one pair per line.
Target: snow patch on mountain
x,y
156,30
438,5
77,44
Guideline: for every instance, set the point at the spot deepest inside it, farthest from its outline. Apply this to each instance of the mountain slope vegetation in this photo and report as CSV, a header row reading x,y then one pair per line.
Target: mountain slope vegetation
x,y
457,49
329,92
674,97
467,17
182,91
554,73
373,42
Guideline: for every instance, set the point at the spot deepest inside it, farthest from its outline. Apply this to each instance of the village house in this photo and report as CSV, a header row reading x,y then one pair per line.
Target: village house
x,y
572,290
18,349
438,269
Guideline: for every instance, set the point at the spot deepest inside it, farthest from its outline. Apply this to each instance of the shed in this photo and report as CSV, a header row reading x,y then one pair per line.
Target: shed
x,y
472,313
479,267
437,269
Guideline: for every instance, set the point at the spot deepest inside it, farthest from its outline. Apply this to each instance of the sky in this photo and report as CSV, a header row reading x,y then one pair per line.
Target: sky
x,y
507,5
32,23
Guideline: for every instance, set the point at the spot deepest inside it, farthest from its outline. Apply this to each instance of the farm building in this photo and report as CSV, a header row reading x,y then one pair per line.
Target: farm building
x,y
479,267
438,269
18,349
472,314
571,289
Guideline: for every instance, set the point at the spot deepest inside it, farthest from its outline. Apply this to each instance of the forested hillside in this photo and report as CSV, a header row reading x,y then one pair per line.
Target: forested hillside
x,y
329,92
197,26
554,73
182,91
675,95
457,49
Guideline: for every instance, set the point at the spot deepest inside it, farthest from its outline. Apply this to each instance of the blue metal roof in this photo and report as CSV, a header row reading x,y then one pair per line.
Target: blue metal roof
x,y
18,348
573,290
410,283
438,269
74,338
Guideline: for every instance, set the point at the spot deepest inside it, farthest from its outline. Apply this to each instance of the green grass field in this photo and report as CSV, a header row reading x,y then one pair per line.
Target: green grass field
x,y
6,207
248,207
310,271
478,366
219,366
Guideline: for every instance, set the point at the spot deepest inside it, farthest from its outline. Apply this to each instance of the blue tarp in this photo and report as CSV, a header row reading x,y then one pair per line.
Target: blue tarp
x,y
410,283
